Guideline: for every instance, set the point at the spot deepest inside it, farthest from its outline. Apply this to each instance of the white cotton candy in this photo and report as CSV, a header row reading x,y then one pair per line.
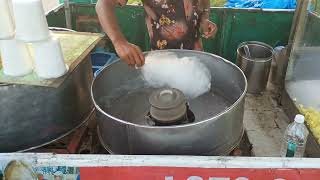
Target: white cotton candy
x,y
187,74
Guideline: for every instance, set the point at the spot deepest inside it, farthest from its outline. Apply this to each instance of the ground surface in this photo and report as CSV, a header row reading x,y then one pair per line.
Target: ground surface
x,y
265,123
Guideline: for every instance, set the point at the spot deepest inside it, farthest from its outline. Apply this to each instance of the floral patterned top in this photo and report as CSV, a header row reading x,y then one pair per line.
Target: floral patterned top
x,y
172,24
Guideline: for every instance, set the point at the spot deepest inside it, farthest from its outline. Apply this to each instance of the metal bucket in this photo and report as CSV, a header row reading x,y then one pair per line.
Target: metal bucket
x,y
122,127
257,66
279,66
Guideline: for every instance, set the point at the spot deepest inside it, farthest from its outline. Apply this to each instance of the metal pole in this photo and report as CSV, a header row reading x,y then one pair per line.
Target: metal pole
x,y
298,24
67,14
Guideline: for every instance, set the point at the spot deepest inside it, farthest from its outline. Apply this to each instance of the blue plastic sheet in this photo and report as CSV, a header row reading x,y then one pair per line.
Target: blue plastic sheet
x,y
265,4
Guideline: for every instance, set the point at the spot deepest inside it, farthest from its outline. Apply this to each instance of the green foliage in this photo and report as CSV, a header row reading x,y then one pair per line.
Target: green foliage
x,y
134,1
217,3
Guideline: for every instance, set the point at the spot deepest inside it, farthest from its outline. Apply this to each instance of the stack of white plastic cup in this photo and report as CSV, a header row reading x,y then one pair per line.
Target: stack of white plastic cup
x,y
6,20
23,22
15,57
30,19
32,27
49,62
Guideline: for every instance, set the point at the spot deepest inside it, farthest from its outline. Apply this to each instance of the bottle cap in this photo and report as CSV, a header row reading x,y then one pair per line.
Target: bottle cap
x,y
299,119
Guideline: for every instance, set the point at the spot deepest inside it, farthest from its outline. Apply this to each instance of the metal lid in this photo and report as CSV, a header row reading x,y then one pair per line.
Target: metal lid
x,y
167,105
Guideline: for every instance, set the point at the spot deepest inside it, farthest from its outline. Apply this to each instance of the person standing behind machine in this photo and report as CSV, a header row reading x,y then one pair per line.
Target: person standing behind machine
x,y
172,24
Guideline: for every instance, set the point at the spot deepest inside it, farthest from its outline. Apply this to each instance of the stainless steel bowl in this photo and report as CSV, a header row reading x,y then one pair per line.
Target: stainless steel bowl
x,y
121,98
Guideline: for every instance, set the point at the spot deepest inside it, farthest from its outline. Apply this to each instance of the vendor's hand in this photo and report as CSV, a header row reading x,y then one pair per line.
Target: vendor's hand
x,y
129,53
208,28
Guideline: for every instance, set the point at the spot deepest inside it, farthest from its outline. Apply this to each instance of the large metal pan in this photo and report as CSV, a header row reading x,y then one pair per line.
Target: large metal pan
x,y
31,116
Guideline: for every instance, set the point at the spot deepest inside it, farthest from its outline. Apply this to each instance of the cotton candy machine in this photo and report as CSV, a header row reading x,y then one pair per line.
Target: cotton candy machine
x,y
134,118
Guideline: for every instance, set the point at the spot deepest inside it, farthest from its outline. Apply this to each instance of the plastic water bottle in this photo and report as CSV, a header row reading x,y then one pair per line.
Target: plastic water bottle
x,y
295,138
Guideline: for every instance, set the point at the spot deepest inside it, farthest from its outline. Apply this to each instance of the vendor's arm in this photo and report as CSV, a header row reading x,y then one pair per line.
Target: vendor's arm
x,y
128,52
209,29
